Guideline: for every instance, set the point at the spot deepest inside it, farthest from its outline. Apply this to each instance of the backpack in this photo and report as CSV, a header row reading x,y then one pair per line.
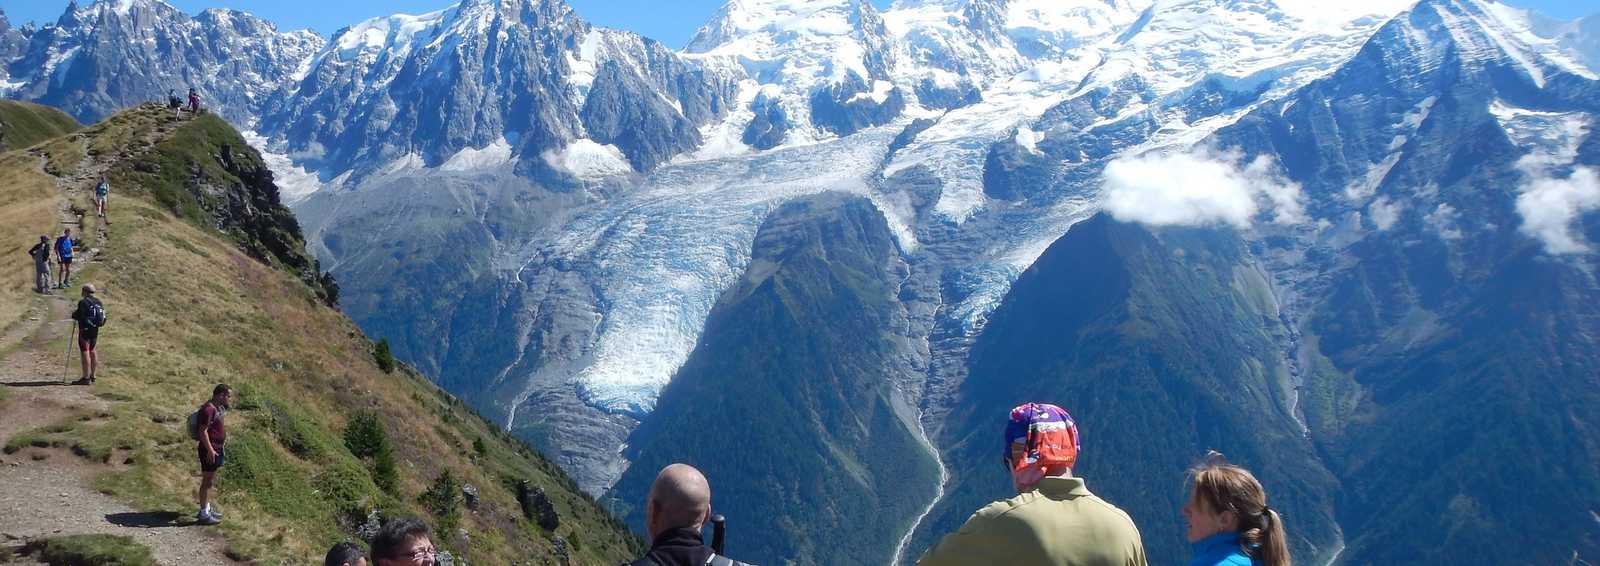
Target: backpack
x,y
193,425
715,560
96,317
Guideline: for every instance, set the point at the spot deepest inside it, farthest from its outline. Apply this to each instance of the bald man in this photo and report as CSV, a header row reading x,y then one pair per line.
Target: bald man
x,y
679,505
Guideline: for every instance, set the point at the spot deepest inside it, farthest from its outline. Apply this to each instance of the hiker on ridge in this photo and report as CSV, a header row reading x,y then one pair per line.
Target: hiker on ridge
x,y
678,506
1229,521
404,542
194,102
64,255
345,554
1053,519
212,435
41,265
101,191
89,317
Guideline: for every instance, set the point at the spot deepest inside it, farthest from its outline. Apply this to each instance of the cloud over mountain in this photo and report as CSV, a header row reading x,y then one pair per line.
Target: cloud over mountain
x,y
1202,187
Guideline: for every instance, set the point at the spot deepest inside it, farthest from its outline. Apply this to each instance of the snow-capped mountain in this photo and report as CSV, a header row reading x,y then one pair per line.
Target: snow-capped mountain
x,y
486,82
583,232
112,54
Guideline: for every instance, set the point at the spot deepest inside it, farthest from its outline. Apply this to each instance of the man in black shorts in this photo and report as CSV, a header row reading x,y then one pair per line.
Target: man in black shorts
x,y
212,437
88,332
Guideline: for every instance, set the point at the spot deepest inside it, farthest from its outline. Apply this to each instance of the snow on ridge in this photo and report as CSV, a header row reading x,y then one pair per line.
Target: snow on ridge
x,y
295,183
394,32
587,159
496,154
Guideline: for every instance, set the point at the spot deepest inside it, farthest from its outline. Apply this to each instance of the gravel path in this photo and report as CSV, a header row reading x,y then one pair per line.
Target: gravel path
x,y
46,492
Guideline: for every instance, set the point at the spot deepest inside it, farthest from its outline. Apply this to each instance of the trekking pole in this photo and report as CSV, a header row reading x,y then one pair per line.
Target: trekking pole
x,y
66,371
719,533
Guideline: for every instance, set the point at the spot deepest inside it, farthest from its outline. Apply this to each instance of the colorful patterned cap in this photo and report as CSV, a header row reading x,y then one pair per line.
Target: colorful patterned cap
x,y
1048,437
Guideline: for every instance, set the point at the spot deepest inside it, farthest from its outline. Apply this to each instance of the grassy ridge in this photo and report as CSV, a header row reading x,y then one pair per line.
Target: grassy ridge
x,y
190,308
23,124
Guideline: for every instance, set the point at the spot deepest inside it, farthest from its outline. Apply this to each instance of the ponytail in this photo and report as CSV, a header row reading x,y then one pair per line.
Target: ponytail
x,y
1225,487
1266,542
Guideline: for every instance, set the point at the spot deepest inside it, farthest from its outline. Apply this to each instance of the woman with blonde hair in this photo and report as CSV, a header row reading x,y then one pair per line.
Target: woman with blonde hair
x,y
1229,521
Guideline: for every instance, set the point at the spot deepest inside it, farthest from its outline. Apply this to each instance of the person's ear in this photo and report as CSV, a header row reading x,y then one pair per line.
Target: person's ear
x,y
1229,519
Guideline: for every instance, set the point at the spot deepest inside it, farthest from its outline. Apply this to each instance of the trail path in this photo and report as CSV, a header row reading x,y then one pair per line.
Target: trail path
x,y
47,492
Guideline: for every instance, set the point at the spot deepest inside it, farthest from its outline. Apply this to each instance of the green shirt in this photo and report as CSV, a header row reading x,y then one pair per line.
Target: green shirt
x,y
1058,523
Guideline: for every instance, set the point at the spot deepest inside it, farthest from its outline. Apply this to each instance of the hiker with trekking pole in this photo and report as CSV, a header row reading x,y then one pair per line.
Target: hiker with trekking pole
x,y
86,322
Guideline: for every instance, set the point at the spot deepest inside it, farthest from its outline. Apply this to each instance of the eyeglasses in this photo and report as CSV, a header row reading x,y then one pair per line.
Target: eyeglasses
x,y
426,555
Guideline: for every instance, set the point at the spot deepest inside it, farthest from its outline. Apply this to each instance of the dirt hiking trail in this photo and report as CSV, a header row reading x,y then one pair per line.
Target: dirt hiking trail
x,y
47,491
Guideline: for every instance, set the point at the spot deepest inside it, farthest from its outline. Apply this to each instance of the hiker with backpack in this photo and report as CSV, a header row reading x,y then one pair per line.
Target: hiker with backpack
x,y
205,426
678,506
89,317
101,191
194,102
63,250
41,265
1054,519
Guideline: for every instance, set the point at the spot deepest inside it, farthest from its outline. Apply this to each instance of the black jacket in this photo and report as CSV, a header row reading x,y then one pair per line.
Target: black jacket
x,y
682,547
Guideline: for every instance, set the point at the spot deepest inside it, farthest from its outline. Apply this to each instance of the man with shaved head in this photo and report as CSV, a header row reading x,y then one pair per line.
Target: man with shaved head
x,y
679,505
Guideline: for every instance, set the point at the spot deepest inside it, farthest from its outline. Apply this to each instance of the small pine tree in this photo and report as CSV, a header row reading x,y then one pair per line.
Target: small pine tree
x,y
385,474
479,447
367,440
443,500
384,357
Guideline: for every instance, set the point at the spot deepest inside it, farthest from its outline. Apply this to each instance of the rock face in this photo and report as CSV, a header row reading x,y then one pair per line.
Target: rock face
x,y
98,59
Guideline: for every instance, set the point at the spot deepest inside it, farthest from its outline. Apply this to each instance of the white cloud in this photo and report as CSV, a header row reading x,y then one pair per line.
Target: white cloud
x,y
1198,188
1385,212
1549,206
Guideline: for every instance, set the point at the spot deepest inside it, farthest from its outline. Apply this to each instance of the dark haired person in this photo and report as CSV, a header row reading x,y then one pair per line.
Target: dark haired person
x,y
404,542
345,554
1229,521
212,438
678,507
89,315
1054,519
64,256
41,265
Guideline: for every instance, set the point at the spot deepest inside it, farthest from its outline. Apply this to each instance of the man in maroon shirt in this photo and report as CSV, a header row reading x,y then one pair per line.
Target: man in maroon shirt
x,y
212,438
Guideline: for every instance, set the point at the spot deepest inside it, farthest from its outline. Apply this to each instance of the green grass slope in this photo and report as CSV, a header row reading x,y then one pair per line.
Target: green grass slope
x,y
206,282
23,124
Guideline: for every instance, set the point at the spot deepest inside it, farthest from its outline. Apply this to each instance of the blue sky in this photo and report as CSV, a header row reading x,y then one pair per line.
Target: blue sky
x,y
670,21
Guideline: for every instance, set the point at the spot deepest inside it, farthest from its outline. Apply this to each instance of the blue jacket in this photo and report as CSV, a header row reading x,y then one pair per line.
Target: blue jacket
x,y
1221,549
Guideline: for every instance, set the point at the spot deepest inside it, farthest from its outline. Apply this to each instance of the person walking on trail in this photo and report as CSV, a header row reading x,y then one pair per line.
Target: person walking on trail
x,y
678,506
41,265
64,255
101,191
1229,521
89,317
345,554
174,103
194,102
404,542
1054,519
212,436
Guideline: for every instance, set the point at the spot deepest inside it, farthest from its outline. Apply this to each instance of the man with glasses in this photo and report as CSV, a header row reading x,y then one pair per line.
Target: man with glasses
x,y
404,542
